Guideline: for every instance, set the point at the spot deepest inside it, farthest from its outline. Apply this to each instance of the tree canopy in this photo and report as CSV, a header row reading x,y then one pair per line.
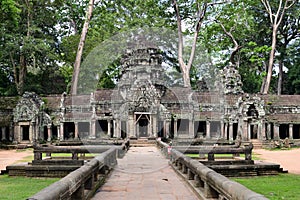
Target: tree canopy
x,y
39,41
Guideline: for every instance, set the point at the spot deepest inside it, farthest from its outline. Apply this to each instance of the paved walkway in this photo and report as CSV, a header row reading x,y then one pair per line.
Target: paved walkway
x,y
144,174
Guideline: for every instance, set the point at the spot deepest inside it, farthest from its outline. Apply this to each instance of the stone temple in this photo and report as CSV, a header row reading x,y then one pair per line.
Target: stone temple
x,y
144,106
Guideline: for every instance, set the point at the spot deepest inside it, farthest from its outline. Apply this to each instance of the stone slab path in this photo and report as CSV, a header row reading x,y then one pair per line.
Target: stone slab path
x,y
144,174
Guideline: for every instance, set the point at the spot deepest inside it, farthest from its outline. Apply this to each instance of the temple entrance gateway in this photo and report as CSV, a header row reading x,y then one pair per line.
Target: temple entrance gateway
x,y
143,124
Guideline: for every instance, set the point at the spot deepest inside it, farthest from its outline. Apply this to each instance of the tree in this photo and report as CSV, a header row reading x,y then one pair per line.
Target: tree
x,y
80,48
288,33
275,19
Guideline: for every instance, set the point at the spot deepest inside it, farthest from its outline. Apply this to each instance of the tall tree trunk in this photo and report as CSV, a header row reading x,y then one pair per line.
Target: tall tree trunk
x,y
271,61
275,19
186,67
280,75
77,63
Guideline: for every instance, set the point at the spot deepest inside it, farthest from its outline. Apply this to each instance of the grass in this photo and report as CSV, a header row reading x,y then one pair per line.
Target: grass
x,y
69,155
15,188
282,186
254,156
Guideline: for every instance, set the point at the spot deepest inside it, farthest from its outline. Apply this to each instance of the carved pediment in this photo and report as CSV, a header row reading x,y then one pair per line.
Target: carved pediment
x,y
28,107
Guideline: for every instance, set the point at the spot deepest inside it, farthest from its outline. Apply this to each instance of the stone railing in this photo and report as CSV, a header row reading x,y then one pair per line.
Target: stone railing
x,y
207,183
212,150
82,183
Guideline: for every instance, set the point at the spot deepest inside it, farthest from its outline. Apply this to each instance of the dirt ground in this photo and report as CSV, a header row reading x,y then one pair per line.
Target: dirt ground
x,y
288,159
9,157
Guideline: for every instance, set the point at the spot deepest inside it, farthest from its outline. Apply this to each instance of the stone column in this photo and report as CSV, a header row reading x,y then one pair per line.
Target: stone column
x,y
249,131
268,132
76,130
49,133
154,125
131,126
291,131
276,131
61,131
117,128
167,128
263,130
31,129
191,129
230,131
207,129
175,129
58,132
226,131
149,131
3,130
109,128
222,129
92,129
245,130
11,132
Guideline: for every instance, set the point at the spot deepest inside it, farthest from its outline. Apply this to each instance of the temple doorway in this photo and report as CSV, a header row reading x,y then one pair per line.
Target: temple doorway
x,y
143,125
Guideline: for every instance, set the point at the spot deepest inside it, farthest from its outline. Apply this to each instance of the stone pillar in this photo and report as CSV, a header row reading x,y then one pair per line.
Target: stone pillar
x,y
222,129
230,131
92,129
131,126
276,131
175,129
191,129
207,129
76,130
167,128
154,125
245,130
109,128
226,131
149,130
61,132
3,130
31,129
49,133
291,131
58,132
11,132
249,131
117,128
263,130
268,132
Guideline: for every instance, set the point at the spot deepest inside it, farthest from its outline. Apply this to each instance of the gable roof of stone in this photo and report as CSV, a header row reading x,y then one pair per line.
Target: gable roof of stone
x,y
281,100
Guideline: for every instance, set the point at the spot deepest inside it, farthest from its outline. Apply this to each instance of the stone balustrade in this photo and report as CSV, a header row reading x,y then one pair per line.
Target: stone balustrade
x,y
87,177
206,182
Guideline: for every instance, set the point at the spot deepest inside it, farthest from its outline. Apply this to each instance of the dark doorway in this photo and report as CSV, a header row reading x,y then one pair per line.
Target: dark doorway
x,y
69,130
235,130
253,131
183,126
25,132
296,131
142,124
283,131
83,130
199,128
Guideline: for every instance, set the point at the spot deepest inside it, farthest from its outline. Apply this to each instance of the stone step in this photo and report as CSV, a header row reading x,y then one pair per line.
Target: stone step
x,y
142,143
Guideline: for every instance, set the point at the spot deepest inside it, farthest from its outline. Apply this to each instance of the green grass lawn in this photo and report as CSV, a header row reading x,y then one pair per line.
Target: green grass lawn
x,y
283,186
254,156
17,188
